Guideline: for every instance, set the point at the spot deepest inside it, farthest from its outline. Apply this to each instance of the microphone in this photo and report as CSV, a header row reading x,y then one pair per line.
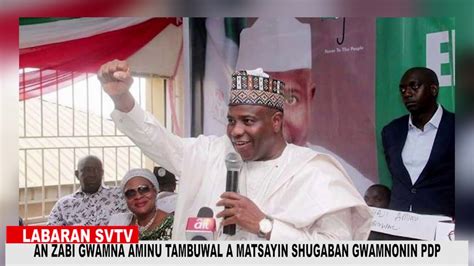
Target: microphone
x,y
233,162
201,227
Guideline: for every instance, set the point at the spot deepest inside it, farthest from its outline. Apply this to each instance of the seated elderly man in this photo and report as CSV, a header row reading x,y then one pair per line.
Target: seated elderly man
x,y
93,203
285,192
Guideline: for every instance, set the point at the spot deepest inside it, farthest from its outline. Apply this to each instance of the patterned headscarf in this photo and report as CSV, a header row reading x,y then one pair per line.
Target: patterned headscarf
x,y
255,87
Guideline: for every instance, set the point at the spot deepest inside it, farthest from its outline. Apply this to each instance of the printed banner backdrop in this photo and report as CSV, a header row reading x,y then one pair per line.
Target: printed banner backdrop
x,y
356,65
330,110
343,117
403,43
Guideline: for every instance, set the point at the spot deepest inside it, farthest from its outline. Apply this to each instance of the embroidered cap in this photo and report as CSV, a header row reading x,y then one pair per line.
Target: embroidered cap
x,y
255,87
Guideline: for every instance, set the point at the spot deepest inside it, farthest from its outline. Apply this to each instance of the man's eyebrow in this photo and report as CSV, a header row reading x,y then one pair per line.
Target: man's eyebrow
x,y
290,90
244,116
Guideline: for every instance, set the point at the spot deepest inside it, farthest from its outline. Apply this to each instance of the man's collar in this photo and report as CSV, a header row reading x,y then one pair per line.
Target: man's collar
x,y
434,121
80,192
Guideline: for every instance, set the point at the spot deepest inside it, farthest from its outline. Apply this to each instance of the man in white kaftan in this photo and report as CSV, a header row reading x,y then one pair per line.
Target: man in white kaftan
x,y
307,195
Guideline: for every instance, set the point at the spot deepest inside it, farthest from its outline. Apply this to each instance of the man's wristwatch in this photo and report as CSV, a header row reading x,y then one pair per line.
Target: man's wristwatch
x,y
265,226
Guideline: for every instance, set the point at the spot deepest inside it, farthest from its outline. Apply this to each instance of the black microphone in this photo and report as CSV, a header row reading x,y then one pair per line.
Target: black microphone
x,y
201,227
205,212
199,238
233,162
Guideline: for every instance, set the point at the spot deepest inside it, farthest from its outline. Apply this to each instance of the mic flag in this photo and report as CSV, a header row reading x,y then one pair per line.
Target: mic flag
x,y
201,227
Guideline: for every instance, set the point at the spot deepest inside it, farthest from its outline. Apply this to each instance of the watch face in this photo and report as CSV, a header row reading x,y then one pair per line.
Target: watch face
x,y
265,226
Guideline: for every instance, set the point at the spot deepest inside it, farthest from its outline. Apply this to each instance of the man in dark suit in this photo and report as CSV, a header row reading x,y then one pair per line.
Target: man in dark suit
x,y
419,148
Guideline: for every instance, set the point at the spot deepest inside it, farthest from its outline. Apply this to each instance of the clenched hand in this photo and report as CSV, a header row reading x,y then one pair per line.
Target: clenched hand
x,y
116,81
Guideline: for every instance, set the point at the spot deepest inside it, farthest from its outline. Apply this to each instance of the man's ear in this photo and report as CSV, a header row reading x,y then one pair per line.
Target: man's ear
x,y
277,121
76,173
434,90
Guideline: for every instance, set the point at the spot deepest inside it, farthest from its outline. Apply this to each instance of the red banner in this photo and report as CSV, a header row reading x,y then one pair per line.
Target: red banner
x,y
60,63
72,234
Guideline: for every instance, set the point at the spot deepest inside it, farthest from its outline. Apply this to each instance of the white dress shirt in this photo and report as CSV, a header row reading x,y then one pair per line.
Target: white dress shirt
x,y
166,201
419,144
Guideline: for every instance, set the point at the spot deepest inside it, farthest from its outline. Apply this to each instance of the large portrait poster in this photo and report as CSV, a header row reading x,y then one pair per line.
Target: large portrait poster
x,y
328,66
341,76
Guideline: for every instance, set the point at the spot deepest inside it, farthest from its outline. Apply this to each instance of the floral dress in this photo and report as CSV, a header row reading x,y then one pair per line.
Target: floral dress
x,y
161,232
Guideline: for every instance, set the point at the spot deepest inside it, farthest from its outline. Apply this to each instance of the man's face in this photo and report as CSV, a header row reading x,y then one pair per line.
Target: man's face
x,y
251,128
90,174
417,95
299,91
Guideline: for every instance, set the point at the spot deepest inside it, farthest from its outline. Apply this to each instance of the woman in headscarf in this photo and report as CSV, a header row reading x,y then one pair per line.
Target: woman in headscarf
x,y
140,188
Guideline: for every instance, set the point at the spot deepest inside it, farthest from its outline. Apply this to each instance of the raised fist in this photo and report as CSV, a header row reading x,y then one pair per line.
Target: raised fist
x,y
115,77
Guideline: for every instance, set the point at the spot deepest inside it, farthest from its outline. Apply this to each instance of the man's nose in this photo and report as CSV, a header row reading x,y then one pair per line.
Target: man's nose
x,y
407,92
237,130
